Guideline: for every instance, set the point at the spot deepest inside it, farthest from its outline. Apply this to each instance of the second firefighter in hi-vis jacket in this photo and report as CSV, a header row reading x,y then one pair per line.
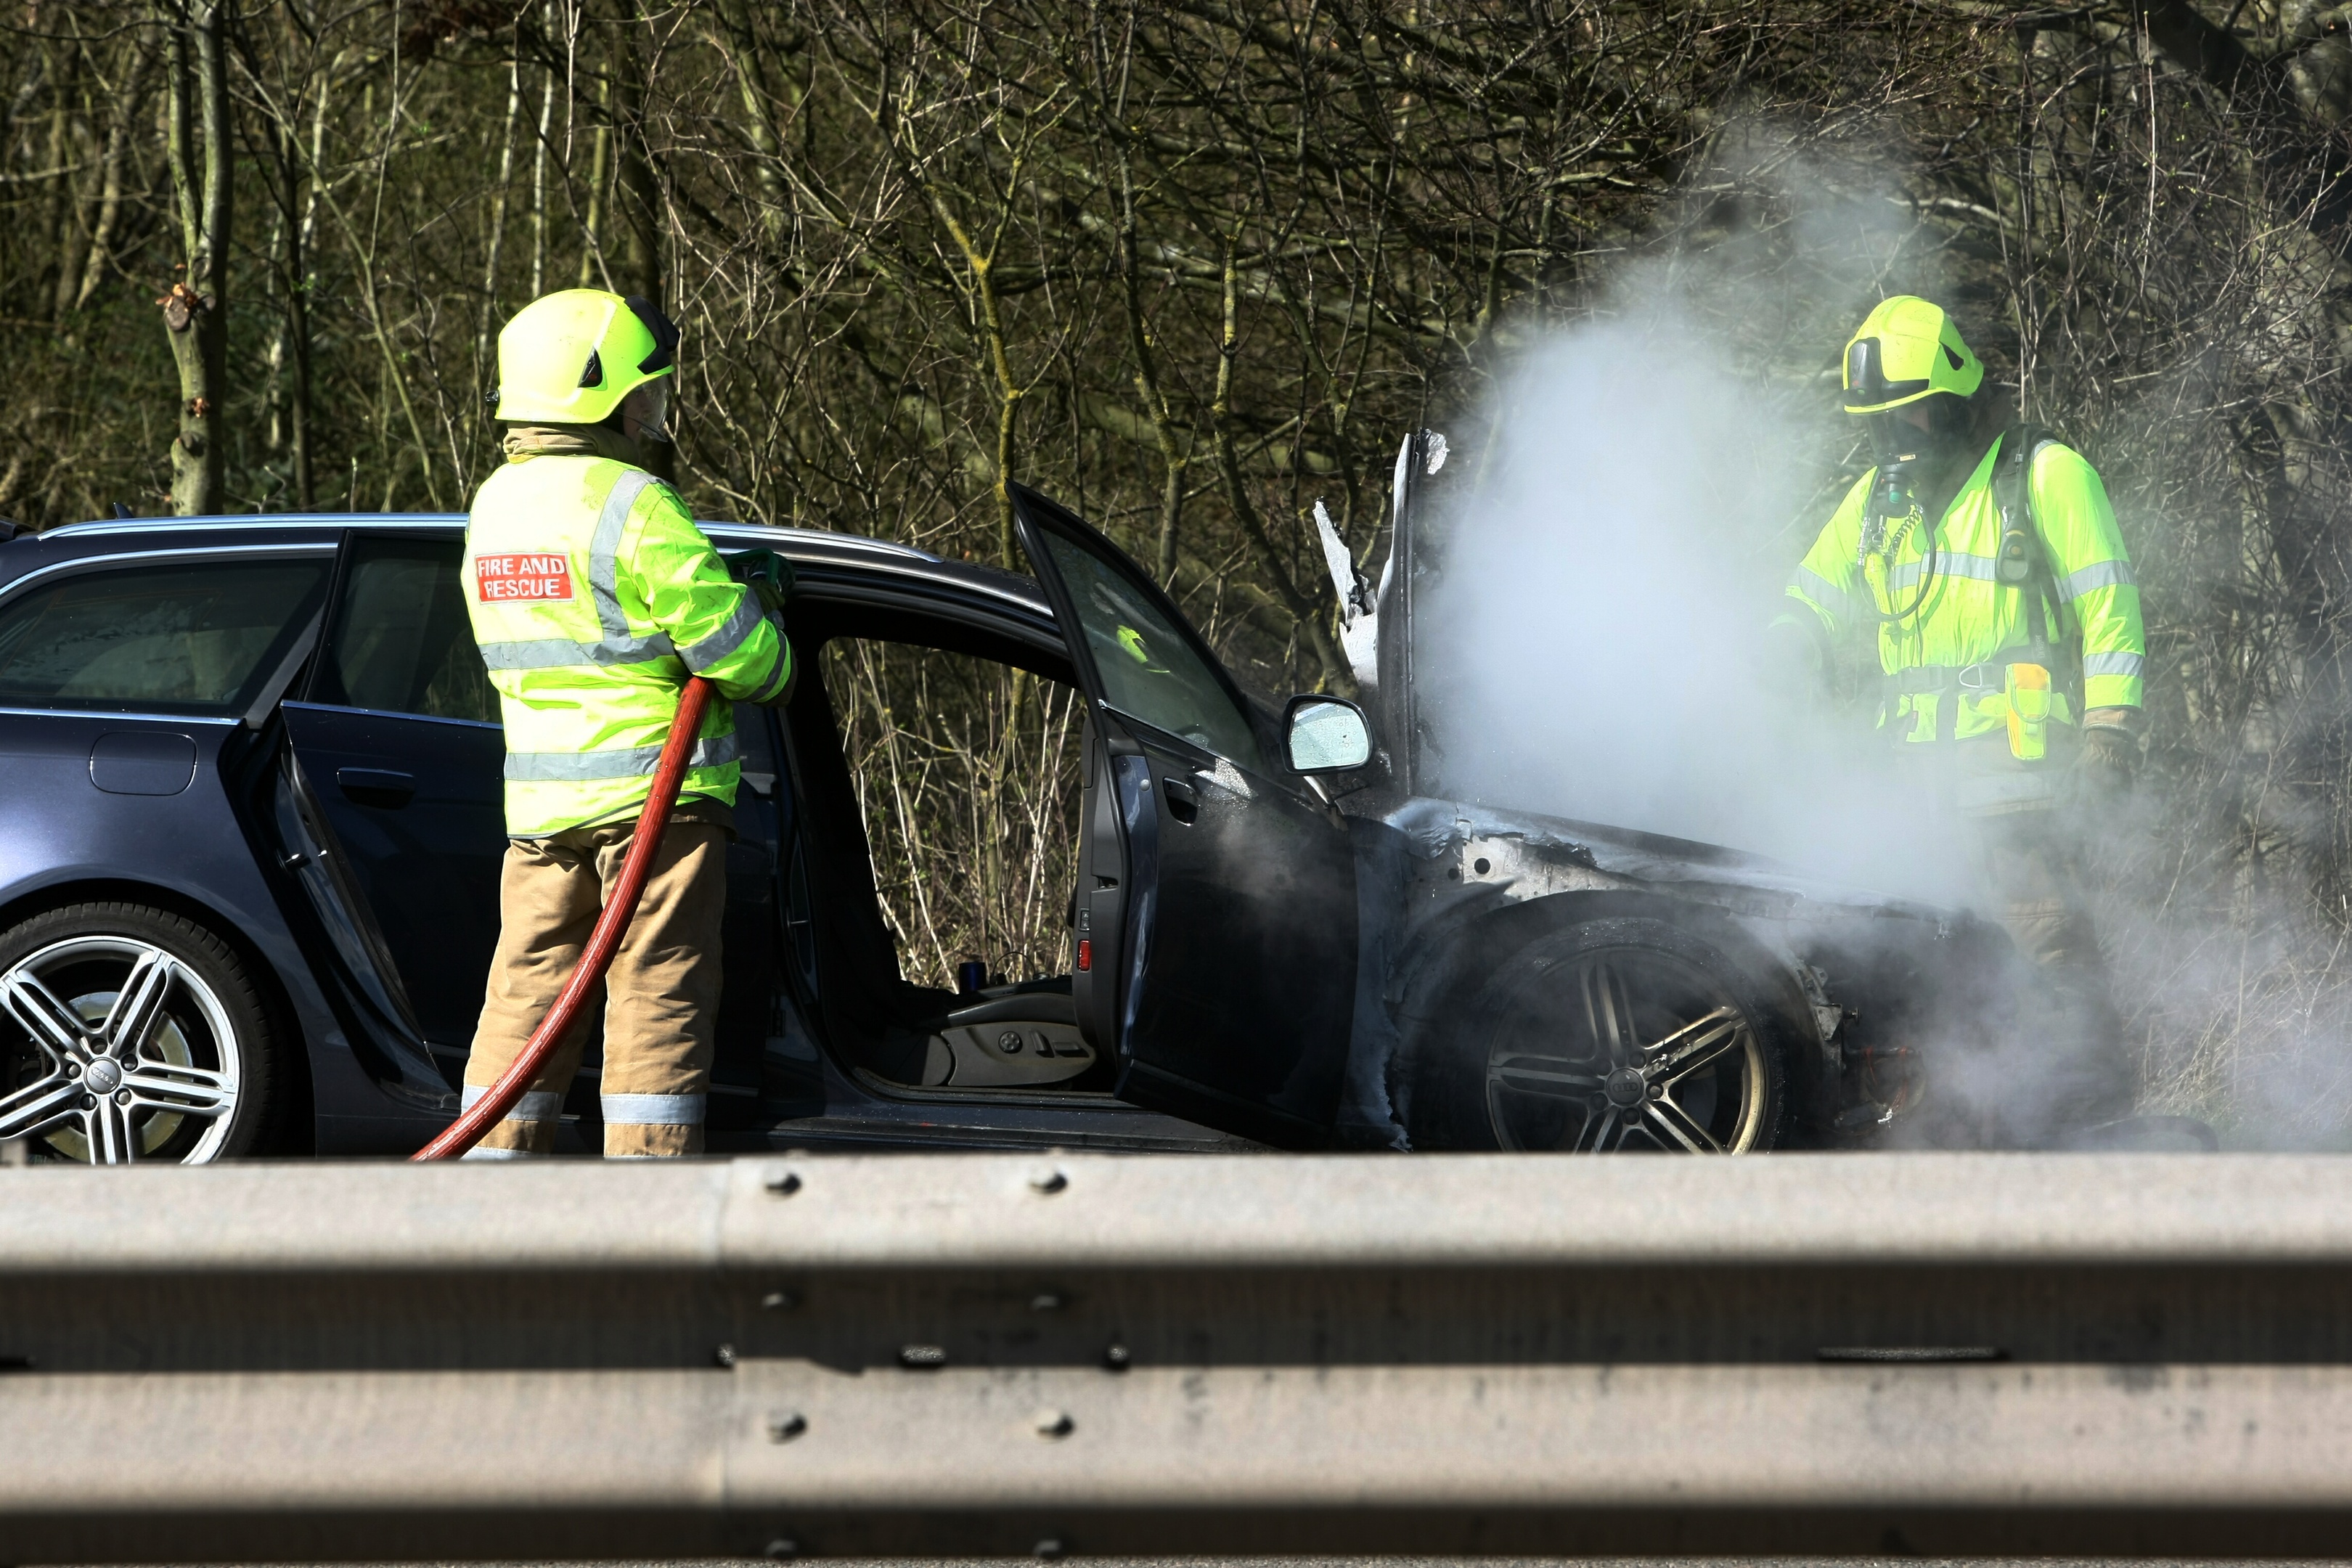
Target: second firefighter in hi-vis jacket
x,y
1982,558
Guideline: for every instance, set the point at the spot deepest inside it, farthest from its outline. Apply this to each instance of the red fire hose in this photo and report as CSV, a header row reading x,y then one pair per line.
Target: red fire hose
x,y
603,942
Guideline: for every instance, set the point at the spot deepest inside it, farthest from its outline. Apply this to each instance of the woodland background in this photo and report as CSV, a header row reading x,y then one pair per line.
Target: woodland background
x,y
1190,266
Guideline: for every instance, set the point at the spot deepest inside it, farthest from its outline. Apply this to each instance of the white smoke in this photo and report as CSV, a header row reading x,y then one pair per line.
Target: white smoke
x,y
1616,530
1597,625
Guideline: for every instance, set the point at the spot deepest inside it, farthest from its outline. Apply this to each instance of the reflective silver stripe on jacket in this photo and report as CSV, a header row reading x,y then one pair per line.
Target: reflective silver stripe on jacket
x,y
749,612
616,646
479,1152
555,653
622,762
1948,563
604,547
2113,663
654,1109
2098,575
1812,583
775,686
539,1105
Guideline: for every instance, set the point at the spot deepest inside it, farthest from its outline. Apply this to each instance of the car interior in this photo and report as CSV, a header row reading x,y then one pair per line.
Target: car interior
x,y
943,961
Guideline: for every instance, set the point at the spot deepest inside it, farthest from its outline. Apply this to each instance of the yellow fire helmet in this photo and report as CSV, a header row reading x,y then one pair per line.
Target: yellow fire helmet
x,y
569,358
1907,350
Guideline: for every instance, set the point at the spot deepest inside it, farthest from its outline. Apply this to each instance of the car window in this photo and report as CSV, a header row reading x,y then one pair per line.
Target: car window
x,y
401,641
190,636
1150,669
966,773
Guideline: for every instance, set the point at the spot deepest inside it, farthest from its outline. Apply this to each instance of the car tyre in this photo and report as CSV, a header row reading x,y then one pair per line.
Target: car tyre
x,y
131,1033
1612,1035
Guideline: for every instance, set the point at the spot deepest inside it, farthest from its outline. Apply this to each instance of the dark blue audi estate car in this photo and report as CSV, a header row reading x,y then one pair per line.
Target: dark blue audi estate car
x,y
251,770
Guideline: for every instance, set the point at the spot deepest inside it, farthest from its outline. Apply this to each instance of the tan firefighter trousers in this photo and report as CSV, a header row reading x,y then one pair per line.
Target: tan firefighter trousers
x,y
661,995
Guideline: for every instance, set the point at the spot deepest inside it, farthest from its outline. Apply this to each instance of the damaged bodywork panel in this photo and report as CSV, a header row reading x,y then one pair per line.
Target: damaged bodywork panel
x,y
1865,981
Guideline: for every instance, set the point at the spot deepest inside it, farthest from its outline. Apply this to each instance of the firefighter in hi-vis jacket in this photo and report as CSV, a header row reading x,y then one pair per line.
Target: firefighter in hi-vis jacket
x,y
594,598
1984,556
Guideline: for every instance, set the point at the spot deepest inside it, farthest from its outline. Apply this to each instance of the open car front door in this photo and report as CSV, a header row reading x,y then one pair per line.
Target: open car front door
x,y
1215,911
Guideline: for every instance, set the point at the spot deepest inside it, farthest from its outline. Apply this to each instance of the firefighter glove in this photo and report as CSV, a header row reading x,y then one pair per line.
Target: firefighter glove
x,y
766,574
2108,762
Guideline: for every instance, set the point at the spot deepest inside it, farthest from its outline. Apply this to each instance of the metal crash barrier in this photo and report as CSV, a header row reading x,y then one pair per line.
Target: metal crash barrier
x,y
987,1356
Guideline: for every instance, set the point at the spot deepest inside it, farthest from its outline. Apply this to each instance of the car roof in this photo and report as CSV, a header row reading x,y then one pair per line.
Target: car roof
x,y
805,547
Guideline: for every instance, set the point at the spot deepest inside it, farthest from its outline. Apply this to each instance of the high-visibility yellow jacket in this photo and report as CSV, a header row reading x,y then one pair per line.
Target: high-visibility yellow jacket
x,y
593,596
1946,661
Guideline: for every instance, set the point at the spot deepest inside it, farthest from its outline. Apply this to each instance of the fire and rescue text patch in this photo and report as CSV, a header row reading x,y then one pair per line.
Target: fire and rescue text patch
x,y
499,579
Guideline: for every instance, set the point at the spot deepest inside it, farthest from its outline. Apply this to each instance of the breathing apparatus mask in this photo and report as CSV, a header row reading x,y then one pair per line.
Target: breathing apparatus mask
x,y
1899,450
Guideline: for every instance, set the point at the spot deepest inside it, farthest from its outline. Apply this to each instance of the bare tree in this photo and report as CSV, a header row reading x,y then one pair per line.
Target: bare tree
x,y
195,310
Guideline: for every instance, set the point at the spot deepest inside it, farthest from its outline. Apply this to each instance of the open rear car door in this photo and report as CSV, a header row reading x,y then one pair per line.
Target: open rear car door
x,y
1215,911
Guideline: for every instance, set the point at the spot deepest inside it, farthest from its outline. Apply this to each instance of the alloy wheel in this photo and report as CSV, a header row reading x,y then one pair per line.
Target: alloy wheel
x,y
126,1053
1635,1050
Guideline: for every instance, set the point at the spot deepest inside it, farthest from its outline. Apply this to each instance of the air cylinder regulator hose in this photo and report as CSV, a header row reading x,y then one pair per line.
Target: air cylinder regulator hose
x,y
604,941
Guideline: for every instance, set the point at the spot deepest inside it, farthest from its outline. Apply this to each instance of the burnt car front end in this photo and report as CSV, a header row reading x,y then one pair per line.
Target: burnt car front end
x,y
1869,995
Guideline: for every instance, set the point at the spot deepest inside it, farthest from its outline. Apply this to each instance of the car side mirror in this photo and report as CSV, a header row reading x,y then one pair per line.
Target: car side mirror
x,y
1326,735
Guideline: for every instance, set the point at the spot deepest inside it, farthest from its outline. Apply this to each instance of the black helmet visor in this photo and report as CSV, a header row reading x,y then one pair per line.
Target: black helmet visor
x,y
1867,386
664,330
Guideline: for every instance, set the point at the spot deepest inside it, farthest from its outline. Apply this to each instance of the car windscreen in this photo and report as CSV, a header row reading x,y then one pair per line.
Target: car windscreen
x,y
184,637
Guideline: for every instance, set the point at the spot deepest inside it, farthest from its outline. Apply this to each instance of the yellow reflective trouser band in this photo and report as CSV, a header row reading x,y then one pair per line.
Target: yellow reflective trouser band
x,y
617,646
622,762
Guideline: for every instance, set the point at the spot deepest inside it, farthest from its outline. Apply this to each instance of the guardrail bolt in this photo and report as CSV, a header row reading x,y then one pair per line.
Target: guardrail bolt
x,y
1047,1549
785,1185
1116,1357
779,1302
1049,1182
1053,1423
785,1428
724,1355
783,1546
1047,1301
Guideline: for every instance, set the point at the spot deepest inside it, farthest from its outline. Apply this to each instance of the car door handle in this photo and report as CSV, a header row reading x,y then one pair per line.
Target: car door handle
x,y
1183,804
378,787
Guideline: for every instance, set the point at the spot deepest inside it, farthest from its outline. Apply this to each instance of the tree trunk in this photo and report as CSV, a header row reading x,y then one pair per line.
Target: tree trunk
x,y
110,194
592,235
195,312
297,321
485,366
637,196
